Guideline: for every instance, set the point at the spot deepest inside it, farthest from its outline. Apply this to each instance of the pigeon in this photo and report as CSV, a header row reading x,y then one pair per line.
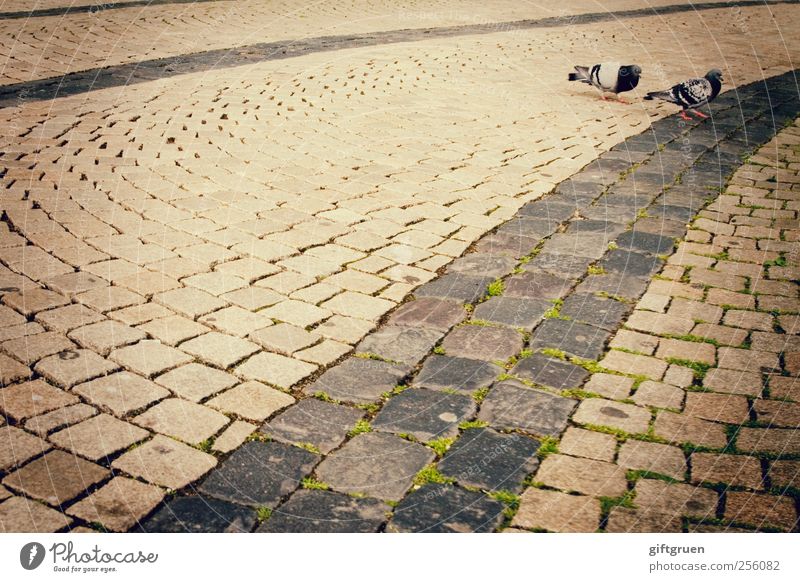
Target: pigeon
x,y
609,77
692,93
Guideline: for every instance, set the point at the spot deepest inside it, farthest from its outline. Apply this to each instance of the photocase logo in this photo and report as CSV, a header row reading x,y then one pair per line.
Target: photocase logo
x,y
31,555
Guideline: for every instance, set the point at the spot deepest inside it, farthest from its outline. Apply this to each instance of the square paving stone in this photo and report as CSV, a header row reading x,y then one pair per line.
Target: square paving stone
x,y
104,336
375,464
613,283
359,380
321,424
577,244
437,508
481,342
275,369
563,265
618,415
557,512
513,311
631,263
251,400
458,286
19,514
181,419
166,462
199,514
550,372
17,446
260,474
574,338
426,414
149,357
512,405
195,381
56,478
599,311
121,393
28,399
461,374
309,511
439,314
219,349
408,345
645,242
11,371
490,460
119,505
72,367
98,437
537,285
59,418
486,265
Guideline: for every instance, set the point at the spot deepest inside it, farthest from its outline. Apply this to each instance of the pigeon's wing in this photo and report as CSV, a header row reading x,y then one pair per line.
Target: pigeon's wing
x,y
604,76
692,93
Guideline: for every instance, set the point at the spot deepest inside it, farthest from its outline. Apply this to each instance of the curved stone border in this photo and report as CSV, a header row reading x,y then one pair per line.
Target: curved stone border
x,y
463,390
143,71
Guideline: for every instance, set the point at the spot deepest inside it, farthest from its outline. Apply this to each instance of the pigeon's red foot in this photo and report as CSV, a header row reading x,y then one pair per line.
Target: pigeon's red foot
x,y
700,114
621,100
685,117
603,97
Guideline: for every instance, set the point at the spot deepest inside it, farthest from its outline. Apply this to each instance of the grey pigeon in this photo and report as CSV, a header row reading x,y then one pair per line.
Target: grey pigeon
x,y
692,93
609,77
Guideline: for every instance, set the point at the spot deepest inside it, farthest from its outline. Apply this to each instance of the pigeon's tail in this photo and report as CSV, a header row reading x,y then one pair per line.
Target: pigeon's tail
x,y
665,95
582,74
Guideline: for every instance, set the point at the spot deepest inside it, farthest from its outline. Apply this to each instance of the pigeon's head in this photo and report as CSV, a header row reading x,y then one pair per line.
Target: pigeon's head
x,y
634,70
714,74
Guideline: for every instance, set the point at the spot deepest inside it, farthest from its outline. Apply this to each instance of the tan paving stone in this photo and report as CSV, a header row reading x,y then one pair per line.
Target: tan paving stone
x,y
251,401
659,395
634,364
768,440
285,339
585,443
253,298
680,428
771,511
652,457
66,318
149,357
73,367
717,407
776,413
275,369
166,462
785,473
736,470
121,393
59,418
33,348
350,304
181,419
673,499
626,417
748,319
109,298
104,336
345,329
118,505
235,321
610,385
34,300
139,314
324,353
174,329
297,313
747,360
688,351
219,349
659,323
189,302
233,436
28,399
635,341
557,512
733,382
196,382
17,446
98,437
586,476
19,514
728,336
784,387
75,475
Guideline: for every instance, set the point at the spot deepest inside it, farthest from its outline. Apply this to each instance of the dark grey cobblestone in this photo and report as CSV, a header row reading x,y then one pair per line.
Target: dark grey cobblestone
x,y
458,286
459,374
599,311
490,460
511,405
550,372
321,424
424,414
408,345
360,380
577,339
260,474
513,311
313,511
436,508
199,514
482,342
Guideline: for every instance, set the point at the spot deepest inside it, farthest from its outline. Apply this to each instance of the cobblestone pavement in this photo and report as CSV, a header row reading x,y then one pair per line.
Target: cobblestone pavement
x,y
187,307
53,45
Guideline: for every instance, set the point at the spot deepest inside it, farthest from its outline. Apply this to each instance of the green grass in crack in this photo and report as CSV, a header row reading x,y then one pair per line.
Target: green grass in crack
x,y
495,288
431,474
360,427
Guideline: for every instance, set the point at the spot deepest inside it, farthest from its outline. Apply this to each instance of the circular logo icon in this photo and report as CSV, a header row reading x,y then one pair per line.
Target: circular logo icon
x,y
31,555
